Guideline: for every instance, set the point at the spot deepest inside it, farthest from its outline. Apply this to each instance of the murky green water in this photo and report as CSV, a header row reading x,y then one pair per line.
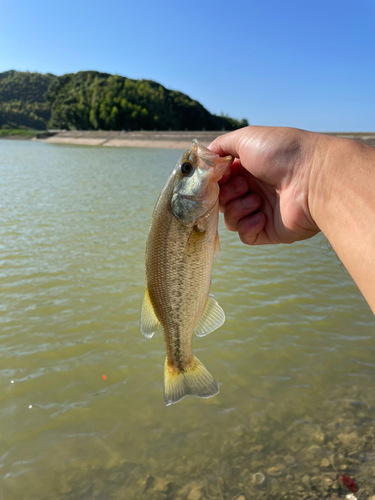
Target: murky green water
x,y
295,359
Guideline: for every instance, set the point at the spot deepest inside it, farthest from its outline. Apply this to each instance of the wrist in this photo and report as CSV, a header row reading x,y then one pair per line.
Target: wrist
x,y
333,178
322,174
341,201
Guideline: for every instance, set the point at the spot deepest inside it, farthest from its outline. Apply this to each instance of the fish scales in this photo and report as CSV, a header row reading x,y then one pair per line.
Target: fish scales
x,y
179,256
179,278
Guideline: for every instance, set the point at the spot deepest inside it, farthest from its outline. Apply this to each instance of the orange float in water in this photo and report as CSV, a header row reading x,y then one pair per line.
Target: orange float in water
x,y
104,377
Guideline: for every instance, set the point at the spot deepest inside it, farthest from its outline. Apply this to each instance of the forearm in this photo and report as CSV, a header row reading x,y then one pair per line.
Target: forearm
x,y
342,204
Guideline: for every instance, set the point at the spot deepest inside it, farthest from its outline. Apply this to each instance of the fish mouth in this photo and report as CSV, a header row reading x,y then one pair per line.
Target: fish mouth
x,y
211,160
204,153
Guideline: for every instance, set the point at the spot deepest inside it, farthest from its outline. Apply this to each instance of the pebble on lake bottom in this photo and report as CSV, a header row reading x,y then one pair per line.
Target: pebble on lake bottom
x,y
258,478
299,466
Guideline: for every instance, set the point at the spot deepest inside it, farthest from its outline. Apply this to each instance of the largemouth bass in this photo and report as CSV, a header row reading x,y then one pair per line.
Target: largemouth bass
x,y
181,244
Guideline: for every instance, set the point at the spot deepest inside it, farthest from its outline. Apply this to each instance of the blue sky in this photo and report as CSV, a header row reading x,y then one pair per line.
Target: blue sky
x,y
278,62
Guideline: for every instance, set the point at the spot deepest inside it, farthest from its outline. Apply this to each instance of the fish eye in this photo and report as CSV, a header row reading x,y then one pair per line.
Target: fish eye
x,y
186,168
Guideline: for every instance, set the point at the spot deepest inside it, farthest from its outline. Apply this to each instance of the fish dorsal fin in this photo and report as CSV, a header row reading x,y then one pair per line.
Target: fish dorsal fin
x,y
149,321
212,317
217,247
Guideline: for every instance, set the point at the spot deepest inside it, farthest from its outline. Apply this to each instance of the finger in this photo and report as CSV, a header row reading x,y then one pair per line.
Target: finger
x,y
228,144
240,208
225,177
236,168
234,188
231,172
251,229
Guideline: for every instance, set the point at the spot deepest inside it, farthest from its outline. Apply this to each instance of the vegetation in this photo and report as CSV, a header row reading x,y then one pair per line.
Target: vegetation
x,y
5,132
22,101
90,100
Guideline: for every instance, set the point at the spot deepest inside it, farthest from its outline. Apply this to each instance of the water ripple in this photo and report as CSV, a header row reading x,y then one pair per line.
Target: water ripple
x,y
298,334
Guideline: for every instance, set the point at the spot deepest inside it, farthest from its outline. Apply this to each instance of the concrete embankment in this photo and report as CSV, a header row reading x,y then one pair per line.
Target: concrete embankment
x,y
367,137
140,139
161,139
143,139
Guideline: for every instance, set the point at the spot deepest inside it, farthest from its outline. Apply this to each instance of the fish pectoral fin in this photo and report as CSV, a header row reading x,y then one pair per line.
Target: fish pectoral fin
x,y
212,317
194,381
217,247
149,321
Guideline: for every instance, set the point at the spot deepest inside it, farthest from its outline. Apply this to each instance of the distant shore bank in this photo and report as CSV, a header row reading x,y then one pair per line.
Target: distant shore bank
x,y
143,139
136,139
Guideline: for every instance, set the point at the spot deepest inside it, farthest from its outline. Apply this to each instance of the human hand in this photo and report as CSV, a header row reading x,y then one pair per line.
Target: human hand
x,y
265,196
288,184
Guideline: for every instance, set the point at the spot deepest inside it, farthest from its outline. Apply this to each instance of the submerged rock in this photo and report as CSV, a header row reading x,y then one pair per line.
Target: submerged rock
x,y
195,494
349,440
258,478
275,471
306,482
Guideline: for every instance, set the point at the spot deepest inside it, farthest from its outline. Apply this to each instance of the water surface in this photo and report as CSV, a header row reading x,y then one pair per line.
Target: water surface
x,y
294,359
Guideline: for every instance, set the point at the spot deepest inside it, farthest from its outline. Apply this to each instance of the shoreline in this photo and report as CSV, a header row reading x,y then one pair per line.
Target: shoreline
x,y
136,139
150,139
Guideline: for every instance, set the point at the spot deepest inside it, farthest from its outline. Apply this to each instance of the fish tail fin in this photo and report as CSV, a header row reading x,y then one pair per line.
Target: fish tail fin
x,y
195,381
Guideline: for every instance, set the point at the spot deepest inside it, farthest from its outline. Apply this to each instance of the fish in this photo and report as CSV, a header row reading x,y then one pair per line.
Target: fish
x,y
181,244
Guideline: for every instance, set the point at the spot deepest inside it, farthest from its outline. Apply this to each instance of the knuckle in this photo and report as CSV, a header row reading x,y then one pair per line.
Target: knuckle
x,y
233,188
231,223
230,228
246,238
238,185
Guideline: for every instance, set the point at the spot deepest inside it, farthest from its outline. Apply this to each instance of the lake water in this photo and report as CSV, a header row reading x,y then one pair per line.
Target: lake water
x,y
295,359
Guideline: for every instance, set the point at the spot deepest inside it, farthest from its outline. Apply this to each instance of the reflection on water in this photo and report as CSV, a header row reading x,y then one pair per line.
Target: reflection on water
x,y
294,359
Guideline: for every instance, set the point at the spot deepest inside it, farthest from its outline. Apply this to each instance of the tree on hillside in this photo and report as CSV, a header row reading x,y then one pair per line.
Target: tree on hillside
x,y
89,100
22,101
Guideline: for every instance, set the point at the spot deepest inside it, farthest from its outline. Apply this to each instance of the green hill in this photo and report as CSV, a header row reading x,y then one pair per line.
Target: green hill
x,y
22,101
89,100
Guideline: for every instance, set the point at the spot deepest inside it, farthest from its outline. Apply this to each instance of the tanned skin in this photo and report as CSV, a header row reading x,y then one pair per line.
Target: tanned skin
x,y
288,184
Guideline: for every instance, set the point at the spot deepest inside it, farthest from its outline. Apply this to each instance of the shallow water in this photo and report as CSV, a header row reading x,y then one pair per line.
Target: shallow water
x,y
294,359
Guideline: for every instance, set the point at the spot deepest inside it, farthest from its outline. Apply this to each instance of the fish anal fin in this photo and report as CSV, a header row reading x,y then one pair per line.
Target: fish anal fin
x,y
217,247
194,381
149,321
212,317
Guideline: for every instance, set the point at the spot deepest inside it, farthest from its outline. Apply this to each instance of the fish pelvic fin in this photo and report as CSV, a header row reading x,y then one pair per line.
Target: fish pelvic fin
x,y
193,381
212,317
149,321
